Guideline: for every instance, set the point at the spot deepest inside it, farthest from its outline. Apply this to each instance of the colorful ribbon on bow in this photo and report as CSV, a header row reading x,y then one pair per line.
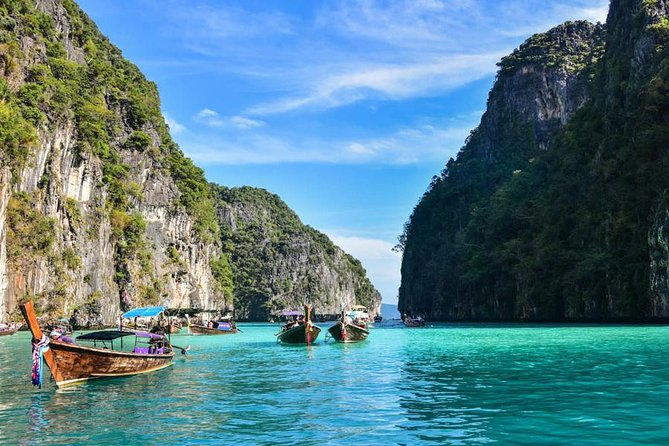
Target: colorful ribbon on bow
x,y
38,360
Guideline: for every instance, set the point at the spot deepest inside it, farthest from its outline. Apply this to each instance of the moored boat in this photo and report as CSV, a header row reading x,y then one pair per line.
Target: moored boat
x,y
299,332
346,330
7,330
414,321
225,326
71,363
359,313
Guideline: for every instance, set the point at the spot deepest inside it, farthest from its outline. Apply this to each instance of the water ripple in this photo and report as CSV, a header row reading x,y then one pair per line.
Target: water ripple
x,y
447,384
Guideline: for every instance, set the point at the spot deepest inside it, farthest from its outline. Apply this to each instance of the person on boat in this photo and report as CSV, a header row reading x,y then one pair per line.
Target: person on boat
x,y
210,324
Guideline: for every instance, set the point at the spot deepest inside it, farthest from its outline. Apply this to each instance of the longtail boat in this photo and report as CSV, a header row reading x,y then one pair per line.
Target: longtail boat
x,y
304,332
149,318
222,327
6,331
347,330
359,312
414,321
71,363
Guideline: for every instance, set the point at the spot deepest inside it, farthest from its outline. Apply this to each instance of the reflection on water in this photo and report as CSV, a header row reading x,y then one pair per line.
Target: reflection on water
x,y
36,415
450,384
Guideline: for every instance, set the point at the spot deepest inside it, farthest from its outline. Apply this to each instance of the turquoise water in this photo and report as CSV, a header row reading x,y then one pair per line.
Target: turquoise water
x,y
446,384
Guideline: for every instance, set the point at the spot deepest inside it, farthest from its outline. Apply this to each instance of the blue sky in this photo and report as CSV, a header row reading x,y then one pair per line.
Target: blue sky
x,y
343,108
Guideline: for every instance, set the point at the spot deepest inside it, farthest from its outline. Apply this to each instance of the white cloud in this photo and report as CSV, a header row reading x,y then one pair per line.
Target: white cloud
x,y
352,50
431,140
346,52
175,127
387,82
246,123
213,119
209,118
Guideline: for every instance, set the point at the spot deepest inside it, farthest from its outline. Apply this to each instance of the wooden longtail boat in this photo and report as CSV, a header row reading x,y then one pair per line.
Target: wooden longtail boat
x,y
305,333
344,331
72,363
8,331
203,330
222,327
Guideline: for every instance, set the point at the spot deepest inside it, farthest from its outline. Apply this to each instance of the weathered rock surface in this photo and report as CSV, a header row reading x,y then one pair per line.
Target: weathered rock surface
x,y
99,209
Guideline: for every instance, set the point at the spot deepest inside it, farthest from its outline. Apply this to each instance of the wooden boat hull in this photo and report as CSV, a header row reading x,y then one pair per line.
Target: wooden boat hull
x,y
298,335
73,363
8,332
78,363
202,330
353,333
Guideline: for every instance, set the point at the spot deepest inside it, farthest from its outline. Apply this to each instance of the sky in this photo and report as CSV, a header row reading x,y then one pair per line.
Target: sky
x,y
343,108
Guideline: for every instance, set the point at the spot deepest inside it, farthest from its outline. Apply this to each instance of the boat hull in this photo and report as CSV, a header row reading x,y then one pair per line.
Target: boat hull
x,y
74,363
78,363
202,330
353,333
298,335
7,332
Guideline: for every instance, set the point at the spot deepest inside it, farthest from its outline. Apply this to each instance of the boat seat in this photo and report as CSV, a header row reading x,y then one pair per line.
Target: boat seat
x,y
143,350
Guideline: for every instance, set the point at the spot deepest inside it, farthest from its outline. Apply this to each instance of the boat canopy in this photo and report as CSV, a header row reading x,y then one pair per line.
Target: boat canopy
x,y
143,312
359,308
105,335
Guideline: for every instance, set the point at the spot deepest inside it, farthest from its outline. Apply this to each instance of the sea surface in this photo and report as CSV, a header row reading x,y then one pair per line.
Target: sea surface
x,y
444,384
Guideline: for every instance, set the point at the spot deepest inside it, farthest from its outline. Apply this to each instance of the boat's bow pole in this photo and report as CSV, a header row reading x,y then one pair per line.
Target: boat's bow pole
x,y
39,338
307,323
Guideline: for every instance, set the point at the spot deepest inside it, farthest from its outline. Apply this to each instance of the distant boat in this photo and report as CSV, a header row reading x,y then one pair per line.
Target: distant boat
x,y
6,330
71,363
359,312
414,321
347,330
299,332
149,319
222,327
378,318
62,327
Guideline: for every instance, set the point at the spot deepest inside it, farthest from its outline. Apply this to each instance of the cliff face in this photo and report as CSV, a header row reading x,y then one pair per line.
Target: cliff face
x,y
90,199
568,221
99,209
279,263
537,90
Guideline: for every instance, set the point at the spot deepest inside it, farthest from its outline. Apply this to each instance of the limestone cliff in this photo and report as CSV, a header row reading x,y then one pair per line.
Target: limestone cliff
x,y
90,200
279,263
556,210
99,209
537,90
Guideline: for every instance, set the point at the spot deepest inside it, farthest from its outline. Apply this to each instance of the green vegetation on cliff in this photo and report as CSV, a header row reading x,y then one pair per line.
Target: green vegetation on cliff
x,y
565,233
77,77
278,262
82,134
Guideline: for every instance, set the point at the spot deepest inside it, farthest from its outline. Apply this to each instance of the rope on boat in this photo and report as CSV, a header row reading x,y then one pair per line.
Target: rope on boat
x,y
38,360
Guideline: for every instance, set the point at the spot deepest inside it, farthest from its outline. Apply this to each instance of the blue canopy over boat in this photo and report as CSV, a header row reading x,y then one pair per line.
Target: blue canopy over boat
x,y
143,312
